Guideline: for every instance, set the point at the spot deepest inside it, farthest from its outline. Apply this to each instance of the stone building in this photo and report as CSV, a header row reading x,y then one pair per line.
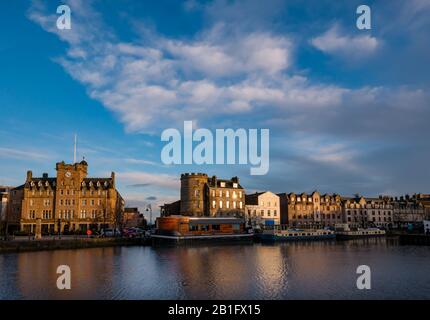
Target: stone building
x,y
71,201
208,196
4,199
133,218
368,212
261,207
310,210
407,211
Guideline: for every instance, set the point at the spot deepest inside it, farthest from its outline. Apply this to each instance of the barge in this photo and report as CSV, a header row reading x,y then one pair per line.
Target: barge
x,y
344,232
279,234
184,229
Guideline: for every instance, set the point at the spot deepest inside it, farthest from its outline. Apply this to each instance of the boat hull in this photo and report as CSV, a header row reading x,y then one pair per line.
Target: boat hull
x,y
285,238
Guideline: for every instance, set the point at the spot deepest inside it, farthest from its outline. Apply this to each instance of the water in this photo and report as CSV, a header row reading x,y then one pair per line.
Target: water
x,y
316,270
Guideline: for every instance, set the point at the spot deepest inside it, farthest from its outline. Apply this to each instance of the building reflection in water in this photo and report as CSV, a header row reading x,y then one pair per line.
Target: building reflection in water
x,y
37,273
314,270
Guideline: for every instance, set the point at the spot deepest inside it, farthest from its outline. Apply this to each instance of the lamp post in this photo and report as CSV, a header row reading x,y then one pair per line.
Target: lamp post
x,y
59,228
149,208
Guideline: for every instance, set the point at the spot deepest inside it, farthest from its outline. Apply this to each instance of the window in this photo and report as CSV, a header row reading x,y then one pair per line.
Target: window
x,y
234,185
220,204
214,204
213,193
220,193
227,194
222,184
84,202
240,194
268,213
234,204
204,227
240,204
193,228
227,204
92,202
216,227
275,213
262,212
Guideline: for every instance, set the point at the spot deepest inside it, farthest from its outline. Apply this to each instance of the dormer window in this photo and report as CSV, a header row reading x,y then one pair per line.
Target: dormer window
x,y
91,183
222,184
234,185
32,183
39,183
106,184
84,184
98,184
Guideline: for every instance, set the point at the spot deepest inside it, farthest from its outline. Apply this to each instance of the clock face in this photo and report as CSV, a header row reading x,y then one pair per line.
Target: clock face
x,y
68,174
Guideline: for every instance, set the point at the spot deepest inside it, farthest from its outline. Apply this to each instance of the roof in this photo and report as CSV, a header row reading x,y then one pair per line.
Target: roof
x,y
215,220
228,183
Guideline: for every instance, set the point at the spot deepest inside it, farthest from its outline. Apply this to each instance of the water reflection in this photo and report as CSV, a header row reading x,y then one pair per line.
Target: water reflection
x,y
319,270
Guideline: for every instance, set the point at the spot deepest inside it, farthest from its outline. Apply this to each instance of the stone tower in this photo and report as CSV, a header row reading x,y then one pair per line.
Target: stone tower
x,y
193,188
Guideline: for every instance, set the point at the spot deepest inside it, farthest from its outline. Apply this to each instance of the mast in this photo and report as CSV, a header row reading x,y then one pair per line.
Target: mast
x,y
74,149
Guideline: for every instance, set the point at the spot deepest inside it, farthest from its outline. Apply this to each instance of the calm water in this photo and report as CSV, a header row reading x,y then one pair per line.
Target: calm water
x,y
318,270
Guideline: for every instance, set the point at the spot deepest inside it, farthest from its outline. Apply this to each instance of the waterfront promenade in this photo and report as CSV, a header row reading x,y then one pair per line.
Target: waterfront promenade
x,y
20,244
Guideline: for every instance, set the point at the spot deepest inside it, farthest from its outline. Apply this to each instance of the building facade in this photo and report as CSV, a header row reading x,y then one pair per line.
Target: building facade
x,y
310,210
207,196
4,199
261,207
69,202
363,212
133,218
408,211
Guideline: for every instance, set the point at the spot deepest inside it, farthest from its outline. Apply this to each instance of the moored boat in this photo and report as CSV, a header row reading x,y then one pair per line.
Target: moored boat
x,y
344,232
277,234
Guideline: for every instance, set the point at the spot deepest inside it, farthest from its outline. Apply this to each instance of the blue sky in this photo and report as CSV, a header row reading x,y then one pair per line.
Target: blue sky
x,y
348,109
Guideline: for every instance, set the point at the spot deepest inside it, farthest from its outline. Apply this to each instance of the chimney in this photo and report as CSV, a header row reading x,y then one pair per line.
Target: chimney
x,y
235,179
45,175
29,175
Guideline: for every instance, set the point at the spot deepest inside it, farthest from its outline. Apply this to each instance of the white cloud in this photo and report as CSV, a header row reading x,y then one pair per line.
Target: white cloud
x,y
10,153
136,178
333,42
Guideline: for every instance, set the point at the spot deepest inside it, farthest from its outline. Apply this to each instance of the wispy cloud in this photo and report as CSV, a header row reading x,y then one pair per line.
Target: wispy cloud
x,y
141,178
336,43
19,154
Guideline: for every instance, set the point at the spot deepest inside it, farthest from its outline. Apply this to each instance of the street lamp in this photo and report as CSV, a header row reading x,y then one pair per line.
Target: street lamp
x,y
149,208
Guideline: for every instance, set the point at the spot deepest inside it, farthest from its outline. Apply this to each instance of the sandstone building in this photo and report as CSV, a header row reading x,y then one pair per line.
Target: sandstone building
x,y
310,210
262,206
71,201
208,196
408,210
368,212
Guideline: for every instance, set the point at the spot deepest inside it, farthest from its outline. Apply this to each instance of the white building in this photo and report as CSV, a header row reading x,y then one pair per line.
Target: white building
x,y
426,226
261,207
4,197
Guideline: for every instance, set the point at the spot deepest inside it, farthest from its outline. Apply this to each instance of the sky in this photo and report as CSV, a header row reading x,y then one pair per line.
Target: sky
x,y
348,109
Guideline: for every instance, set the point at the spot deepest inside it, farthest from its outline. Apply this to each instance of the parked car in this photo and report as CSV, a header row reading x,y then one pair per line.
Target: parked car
x,y
110,232
131,232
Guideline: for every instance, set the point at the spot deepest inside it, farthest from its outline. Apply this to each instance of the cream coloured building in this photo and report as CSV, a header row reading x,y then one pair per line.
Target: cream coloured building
x,y
262,206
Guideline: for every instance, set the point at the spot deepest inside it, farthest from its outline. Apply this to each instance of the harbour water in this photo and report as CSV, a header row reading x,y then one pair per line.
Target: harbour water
x,y
312,270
